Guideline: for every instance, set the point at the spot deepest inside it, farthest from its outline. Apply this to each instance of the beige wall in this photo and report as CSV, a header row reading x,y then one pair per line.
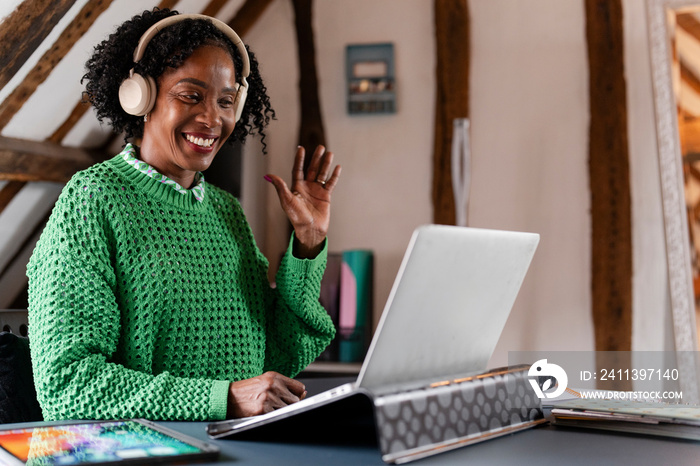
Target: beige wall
x,y
384,191
529,114
529,111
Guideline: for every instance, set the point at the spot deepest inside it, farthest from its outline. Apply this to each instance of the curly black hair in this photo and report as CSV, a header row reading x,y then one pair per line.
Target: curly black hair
x,y
113,59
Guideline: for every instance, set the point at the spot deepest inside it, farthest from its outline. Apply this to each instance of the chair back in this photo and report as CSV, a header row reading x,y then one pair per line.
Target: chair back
x,y
18,401
14,321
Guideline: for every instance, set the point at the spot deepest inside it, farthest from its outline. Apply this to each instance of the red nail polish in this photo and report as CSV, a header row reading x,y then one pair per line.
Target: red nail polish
x,y
267,178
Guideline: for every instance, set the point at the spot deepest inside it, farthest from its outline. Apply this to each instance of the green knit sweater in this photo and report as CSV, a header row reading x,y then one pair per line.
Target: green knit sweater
x,y
144,302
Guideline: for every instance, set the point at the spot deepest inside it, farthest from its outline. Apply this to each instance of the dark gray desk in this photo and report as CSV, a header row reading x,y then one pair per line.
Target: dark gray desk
x,y
541,446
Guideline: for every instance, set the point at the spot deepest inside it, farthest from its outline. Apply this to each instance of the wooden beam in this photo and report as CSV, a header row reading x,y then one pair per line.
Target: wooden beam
x,y
24,30
8,192
608,165
689,78
75,115
247,15
213,7
24,160
689,130
689,24
82,106
692,84
311,131
169,4
452,98
72,32
17,265
80,24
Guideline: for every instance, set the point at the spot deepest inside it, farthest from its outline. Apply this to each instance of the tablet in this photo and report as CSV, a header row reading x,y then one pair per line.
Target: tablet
x,y
134,441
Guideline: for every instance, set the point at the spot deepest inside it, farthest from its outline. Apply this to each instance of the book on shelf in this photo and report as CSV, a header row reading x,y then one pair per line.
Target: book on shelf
x,y
346,293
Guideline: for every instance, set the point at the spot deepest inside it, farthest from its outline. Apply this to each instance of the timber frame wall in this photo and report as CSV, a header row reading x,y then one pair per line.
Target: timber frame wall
x,y
23,161
611,273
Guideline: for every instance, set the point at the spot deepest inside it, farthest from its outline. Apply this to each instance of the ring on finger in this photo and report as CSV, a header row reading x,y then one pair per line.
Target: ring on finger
x,y
321,182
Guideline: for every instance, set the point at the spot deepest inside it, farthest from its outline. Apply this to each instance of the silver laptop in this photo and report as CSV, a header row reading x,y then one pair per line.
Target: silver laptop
x,y
445,313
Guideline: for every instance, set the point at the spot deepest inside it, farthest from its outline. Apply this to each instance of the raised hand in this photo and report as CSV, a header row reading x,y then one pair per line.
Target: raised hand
x,y
308,202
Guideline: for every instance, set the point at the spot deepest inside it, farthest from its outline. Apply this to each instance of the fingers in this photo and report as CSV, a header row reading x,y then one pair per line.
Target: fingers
x,y
313,173
318,171
281,187
294,386
325,169
330,184
288,200
263,394
288,390
320,166
298,168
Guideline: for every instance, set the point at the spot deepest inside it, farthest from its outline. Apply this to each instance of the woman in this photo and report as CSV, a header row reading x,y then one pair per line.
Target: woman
x,y
148,295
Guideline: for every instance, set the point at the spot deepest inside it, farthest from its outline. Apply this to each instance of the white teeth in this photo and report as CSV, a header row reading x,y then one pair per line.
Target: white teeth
x,y
199,141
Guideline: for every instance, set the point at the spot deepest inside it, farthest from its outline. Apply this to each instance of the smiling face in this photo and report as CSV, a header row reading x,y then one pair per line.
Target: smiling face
x,y
193,115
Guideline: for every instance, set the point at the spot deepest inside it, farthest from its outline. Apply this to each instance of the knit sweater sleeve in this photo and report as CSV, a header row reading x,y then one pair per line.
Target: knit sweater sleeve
x,y
299,328
75,326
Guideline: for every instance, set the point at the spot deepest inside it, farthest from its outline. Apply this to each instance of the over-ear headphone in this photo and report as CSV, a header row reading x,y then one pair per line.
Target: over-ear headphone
x,y
137,94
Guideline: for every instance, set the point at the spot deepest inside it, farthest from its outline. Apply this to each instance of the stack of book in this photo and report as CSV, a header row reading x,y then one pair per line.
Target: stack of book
x,y
631,416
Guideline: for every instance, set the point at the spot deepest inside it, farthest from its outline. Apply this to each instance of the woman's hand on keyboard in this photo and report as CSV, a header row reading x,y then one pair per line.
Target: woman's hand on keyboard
x,y
262,394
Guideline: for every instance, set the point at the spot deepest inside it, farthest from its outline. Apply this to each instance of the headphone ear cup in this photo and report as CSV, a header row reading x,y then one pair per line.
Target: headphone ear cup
x,y
241,97
137,94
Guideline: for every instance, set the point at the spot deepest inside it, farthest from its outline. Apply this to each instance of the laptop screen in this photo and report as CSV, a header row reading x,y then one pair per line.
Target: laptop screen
x,y
448,306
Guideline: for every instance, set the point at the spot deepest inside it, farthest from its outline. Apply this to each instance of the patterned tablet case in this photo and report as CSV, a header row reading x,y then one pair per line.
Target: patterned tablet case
x,y
418,423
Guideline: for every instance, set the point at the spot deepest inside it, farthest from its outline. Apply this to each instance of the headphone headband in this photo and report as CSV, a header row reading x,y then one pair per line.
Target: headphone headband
x,y
137,94
220,25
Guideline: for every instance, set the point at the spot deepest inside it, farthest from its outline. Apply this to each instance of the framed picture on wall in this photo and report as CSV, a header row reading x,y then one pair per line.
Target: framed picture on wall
x,y
370,79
